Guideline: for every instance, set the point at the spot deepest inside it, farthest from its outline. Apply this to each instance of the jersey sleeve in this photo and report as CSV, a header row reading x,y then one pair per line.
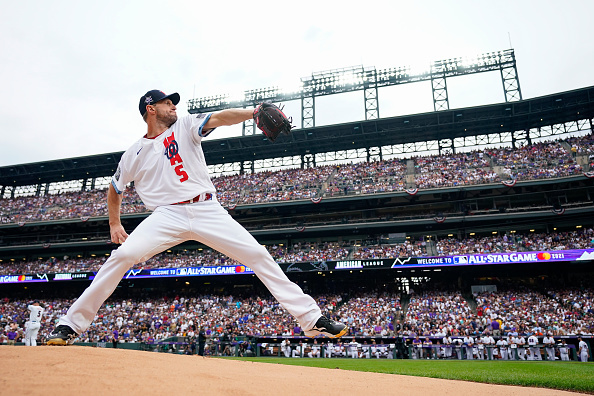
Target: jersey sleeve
x,y
120,178
195,123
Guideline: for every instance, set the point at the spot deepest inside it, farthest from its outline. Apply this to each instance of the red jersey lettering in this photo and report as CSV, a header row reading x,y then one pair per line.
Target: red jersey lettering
x,y
172,154
179,170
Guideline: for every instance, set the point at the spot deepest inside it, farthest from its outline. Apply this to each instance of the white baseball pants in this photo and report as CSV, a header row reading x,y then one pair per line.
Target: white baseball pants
x,y
207,222
31,333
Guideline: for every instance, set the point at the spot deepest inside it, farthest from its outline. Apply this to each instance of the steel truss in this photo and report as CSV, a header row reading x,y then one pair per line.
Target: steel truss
x,y
308,111
368,80
370,93
439,88
503,138
509,78
248,127
259,165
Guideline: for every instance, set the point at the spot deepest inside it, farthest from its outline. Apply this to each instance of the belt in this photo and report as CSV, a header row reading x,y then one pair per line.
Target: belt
x,y
197,198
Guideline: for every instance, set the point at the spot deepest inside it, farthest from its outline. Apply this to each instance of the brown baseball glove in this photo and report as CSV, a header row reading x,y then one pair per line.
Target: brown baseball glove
x,y
271,120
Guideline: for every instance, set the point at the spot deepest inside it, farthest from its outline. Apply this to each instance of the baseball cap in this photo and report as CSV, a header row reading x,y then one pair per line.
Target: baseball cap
x,y
154,96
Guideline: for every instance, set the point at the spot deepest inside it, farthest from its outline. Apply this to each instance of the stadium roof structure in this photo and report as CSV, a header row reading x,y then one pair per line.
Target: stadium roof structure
x,y
509,117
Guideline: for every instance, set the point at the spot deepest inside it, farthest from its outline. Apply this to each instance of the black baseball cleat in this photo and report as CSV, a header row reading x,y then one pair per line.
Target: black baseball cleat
x,y
328,327
62,335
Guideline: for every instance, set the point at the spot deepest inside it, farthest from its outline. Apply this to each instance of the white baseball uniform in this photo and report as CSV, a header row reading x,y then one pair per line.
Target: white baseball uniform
x,y
297,352
564,351
489,342
167,170
339,350
314,352
534,349
513,347
502,345
480,347
353,349
365,354
427,351
382,351
549,343
329,350
390,351
469,341
458,347
286,347
583,351
447,346
521,348
33,324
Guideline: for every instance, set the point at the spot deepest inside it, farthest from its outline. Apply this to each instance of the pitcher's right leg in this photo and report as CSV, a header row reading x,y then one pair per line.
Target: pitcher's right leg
x,y
156,233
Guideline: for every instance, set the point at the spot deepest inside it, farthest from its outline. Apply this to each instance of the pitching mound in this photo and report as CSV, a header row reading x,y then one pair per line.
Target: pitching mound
x,y
76,370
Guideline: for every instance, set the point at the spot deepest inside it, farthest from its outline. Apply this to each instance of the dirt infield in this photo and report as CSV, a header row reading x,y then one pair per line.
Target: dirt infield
x,y
77,370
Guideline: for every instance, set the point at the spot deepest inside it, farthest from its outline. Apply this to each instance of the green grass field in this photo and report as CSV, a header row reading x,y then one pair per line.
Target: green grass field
x,y
570,376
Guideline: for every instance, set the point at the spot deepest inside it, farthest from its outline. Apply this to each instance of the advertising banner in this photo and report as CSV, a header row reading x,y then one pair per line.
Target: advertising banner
x,y
324,266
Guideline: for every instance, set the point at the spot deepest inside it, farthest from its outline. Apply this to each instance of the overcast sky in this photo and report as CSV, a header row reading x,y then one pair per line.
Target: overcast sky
x,y
72,72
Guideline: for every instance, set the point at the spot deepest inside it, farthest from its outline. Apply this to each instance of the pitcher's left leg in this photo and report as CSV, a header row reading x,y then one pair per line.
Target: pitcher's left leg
x,y
213,226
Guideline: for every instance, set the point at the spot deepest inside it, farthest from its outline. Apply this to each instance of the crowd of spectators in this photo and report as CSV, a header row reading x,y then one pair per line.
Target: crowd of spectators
x,y
454,170
557,312
150,319
65,205
269,186
518,243
404,249
371,314
309,252
500,313
327,251
582,145
535,161
434,314
202,257
542,160
367,178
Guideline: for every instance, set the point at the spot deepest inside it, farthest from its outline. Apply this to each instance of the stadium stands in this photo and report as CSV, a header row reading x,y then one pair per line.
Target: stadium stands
x,y
303,252
369,315
537,161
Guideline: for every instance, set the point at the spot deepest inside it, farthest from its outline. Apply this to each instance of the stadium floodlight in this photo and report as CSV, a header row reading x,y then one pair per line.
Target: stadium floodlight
x,y
291,88
235,97
349,78
467,62
359,78
418,69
